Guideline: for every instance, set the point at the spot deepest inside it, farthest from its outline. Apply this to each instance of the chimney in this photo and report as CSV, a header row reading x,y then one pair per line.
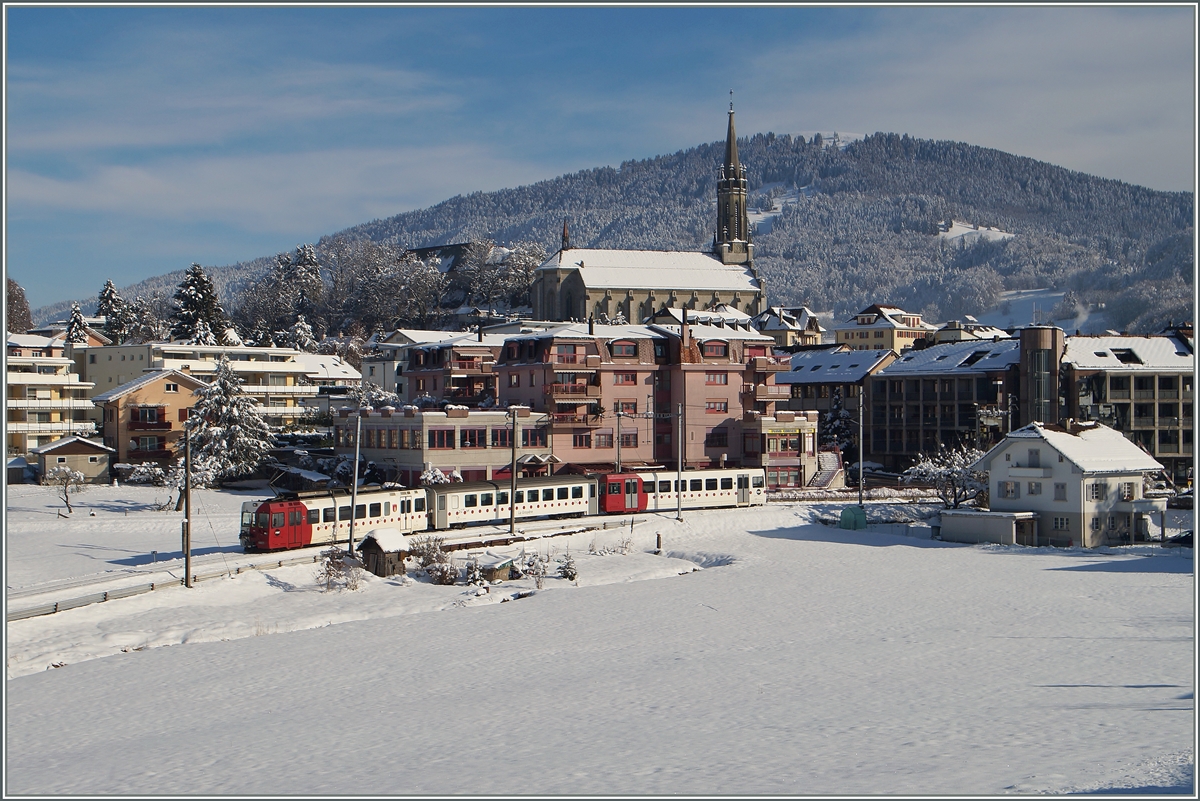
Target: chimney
x,y
591,321
566,236
481,332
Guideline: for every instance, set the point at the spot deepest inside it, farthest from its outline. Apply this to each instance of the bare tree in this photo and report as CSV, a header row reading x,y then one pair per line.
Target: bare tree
x,y
66,482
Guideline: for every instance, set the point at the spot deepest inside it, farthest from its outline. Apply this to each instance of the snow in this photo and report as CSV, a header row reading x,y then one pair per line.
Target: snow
x,y
1095,449
969,233
790,658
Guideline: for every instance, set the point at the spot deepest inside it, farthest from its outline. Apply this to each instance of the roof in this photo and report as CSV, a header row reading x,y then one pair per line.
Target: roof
x,y
33,341
58,443
389,539
143,380
718,314
788,318
594,331
657,269
1129,353
840,366
327,366
971,356
704,333
885,318
1093,448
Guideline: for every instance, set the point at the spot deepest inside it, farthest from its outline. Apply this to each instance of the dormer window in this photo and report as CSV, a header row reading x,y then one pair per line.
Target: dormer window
x,y
624,349
716,349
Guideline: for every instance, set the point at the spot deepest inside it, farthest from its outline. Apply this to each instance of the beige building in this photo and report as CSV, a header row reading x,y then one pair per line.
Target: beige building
x,y
143,419
81,455
790,326
45,398
880,327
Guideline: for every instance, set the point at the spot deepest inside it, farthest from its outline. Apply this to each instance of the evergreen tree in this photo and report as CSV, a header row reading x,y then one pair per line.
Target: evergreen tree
x,y
228,434
76,327
300,336
304,279
18,319
117,314
145,324
196,302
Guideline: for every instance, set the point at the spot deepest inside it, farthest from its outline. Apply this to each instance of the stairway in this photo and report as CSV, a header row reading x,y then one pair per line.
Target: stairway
x,y
829,469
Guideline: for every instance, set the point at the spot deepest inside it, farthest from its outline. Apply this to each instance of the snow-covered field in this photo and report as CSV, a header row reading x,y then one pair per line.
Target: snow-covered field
x,y
797,659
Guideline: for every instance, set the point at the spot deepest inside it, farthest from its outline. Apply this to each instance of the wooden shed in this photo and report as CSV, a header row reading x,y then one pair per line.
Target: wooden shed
x,y
88,457
383,551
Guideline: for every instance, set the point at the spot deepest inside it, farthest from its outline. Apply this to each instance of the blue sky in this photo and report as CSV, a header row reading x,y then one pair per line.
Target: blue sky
x,y
142,139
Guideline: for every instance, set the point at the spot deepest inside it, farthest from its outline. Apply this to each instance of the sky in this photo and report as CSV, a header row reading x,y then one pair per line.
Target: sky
x,y
141,139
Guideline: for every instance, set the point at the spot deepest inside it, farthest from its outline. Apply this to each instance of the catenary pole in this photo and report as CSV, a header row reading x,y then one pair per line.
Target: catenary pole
x,y
354,483
187,507
512,479
861,411
679,469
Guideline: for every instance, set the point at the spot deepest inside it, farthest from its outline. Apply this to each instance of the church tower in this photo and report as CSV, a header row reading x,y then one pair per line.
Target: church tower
x,y
731,243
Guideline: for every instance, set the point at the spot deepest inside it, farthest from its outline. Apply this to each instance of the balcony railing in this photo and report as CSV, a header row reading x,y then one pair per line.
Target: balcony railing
x,y
572,391
764,364
63,427
464,366
1143,394
146,425
1143,422
574,361
767,392
307,390
56,403
574,420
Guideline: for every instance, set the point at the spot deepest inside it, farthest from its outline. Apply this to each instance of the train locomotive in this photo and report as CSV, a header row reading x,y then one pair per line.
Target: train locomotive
x,y
320,517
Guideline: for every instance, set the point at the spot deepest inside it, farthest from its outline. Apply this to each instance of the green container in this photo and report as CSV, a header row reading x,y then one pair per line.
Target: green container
x,y
853,518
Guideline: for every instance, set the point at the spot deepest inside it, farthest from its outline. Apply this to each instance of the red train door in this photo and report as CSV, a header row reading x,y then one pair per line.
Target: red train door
x,y
623,494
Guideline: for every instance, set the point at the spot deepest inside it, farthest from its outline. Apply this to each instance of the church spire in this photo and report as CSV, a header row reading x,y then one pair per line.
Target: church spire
x,y
732,245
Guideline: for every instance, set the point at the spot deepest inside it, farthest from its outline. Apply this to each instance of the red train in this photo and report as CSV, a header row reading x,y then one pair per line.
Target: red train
x,y
301,519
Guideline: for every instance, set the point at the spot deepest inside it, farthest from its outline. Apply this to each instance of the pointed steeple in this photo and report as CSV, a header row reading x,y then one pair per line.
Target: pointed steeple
x,y
566,236
732,241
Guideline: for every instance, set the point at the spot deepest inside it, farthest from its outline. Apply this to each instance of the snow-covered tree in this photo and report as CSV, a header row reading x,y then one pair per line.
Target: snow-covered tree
x,y
66,482
566,567
950,472
17,318
117,314
196,302
838,427
76,327
228,434
372,395
433,475
146,324
300,336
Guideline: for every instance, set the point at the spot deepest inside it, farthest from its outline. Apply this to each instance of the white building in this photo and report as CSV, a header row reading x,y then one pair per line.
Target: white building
x,y
1083,485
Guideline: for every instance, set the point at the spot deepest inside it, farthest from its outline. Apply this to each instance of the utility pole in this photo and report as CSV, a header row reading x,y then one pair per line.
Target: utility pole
x,y
187,507
679,469
617,430
354,483
861,411
512,490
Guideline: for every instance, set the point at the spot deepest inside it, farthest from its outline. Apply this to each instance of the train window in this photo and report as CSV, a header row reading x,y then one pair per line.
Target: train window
x,y
264,519
470,500
548,494
277,520
442,503
343,513
591,490
360,511
563,492
295,517
314,515
576,492
697,485
758,481
664,486
519,497
375,510
614,488
677,483
419,504
727,483
710,483
387,508
485,499
328,514
502,499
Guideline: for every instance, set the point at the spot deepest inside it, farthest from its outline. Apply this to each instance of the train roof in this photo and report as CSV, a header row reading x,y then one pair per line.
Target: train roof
x,y
504,483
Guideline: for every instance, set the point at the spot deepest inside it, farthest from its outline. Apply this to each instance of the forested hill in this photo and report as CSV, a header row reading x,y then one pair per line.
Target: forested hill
x,y
844,227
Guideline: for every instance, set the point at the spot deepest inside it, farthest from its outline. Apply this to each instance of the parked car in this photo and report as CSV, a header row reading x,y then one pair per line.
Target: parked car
x,y
1181,501
1183,540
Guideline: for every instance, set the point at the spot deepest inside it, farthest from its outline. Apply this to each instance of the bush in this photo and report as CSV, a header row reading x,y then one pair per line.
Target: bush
x,y
429,550
339,571
445,573
566,567
475,572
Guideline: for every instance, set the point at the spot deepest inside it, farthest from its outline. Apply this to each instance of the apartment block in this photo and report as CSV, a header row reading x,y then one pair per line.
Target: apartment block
x,y
45,399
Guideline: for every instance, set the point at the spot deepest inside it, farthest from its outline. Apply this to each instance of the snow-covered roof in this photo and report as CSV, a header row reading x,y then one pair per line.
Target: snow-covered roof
x,y
705,333
715,315
143,380
783,318
33,341
1129,353
327,367
885,317
970,356
389,539
581,331
657,269
841,366
58,443
1093,448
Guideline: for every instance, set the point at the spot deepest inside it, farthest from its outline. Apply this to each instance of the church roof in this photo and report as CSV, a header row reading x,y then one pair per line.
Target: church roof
x,y
665,270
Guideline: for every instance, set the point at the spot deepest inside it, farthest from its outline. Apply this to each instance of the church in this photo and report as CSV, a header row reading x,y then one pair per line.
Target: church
x,y
578,283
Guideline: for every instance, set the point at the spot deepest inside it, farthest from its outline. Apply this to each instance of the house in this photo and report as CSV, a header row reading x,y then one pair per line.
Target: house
x,y
143,419
822,379
967,328
881,326
607,284
82,455
1083,483
45,398
790,326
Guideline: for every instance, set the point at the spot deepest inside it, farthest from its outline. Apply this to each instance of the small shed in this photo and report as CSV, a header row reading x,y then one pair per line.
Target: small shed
x,y
18,469
495,567
853,518
383,551
88,457
1002,528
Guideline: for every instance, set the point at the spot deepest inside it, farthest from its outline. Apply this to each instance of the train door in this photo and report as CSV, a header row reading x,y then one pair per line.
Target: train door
x,y
298,534
631,494
743,489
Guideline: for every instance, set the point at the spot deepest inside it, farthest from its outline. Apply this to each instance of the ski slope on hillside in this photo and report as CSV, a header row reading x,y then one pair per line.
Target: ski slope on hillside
x,y
797,659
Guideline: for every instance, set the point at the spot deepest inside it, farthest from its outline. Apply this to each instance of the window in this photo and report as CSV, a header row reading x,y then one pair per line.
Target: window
x,y
716,349
1035,488
170,387
1062,524
1095,524
604,439
328,514
563,492
502,499
716,407
581,441
277,520
664,486
696,485
501,438
614,488
1008,489
1060,492
716,378
624,378
514,379
519,497
61,460
716,438
485,499
757,482
376,510
418,504
533,438
577,492
1097,491
1127,491
93,459
624,349
548,494
473,437
146,414
470,500
314,516
441,438
626,406
710,484
727,483
360,511
629,439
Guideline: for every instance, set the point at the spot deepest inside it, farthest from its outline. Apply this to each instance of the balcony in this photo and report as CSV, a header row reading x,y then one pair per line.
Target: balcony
x,y
558,422
769,364
572,391
1143,422
81,427
469,367
1143,394
767,392
146,425
57,403
305,390
574,362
